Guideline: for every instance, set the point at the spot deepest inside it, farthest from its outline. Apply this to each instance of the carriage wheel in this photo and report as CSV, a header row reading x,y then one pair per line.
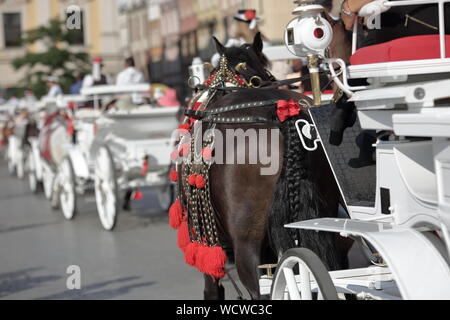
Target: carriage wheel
x,y
11,166
20,167
33,182
47,182
56,190
106,189
304,265
166,196
67,193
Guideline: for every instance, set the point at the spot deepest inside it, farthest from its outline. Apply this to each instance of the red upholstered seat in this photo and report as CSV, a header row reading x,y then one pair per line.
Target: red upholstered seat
x,y
404,49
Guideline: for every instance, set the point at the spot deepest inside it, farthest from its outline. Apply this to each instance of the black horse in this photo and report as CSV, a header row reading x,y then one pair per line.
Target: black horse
x,y
251,209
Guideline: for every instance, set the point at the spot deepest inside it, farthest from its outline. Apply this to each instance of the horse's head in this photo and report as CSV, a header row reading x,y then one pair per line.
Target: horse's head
x,y
247,60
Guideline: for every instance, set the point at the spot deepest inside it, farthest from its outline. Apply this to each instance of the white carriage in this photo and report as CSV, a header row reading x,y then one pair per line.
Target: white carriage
x,y
23,120
408,224
49,149
120,146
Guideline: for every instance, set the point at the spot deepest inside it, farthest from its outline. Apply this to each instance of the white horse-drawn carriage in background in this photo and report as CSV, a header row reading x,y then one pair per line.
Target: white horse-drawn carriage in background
x,y
48,149
407,224
22,120
119,146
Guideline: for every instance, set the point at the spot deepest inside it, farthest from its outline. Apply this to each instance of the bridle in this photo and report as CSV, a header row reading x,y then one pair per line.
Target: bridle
x,y
225,80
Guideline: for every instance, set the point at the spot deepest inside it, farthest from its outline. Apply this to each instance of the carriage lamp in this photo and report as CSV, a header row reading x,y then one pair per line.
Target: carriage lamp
x,y
198,72
309,35
97,68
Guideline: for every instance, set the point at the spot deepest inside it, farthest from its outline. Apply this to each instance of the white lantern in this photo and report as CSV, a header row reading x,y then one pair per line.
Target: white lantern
x,y
198,72
309,33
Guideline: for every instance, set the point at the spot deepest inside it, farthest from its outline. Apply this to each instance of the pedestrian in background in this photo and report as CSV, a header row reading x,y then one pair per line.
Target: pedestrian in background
x,y
75,88
130,75
54,87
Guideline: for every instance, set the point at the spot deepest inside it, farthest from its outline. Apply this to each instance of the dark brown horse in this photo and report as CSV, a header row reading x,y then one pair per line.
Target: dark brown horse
x,y
251,209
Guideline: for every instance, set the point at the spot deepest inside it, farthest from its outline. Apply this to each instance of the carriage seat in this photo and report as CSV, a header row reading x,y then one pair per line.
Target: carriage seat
x,y
403,49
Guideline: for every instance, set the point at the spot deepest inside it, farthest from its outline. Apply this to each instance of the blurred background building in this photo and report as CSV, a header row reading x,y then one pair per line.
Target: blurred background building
x,y
162,35
99,35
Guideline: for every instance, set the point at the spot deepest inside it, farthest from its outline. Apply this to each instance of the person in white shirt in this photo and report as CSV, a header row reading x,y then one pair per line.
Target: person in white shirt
x,y
130,75
54,88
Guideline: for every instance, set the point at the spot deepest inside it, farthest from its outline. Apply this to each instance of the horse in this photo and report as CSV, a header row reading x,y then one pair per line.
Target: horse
x,y
248,210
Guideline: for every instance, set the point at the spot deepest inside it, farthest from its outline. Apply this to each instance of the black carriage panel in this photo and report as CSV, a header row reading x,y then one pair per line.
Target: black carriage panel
x,y
357,183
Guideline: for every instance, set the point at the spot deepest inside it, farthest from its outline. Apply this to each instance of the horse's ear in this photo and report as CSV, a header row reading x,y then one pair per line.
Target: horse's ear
x,y
258,43
220,47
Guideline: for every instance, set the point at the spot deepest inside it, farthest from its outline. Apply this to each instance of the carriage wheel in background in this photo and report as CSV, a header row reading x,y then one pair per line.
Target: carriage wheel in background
x,y
34,184
11,165
56,190
47,182
21,163
304,265
67,192
166,196
106,189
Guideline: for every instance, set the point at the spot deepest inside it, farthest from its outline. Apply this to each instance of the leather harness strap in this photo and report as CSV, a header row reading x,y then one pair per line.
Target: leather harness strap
x,y
216,115
273,86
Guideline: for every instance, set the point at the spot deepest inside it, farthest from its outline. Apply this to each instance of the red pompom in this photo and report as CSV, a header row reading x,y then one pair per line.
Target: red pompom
x,y
200,182
185,148
183,236
175,215
173,176
207,153
192,179
190,255
211,261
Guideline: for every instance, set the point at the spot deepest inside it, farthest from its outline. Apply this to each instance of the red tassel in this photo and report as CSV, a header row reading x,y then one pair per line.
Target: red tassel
x,y
200,182
191,252
173,176
192,179
207,153
183,236
211,261
175,215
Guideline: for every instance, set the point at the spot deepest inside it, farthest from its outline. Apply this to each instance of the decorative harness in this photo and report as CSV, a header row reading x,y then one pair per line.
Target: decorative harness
x,y
193,213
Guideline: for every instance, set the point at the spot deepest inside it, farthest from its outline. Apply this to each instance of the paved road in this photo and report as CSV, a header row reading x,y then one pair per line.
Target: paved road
x,y
139,260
